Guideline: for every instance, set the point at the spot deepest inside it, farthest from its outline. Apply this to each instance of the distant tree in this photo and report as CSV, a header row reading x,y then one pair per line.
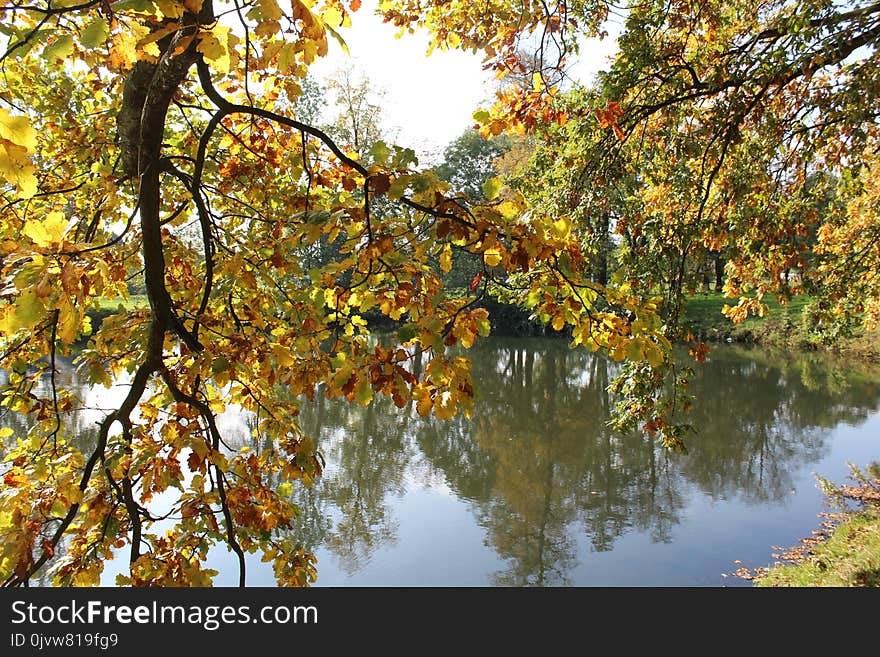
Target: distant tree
x,y
358,104
470,160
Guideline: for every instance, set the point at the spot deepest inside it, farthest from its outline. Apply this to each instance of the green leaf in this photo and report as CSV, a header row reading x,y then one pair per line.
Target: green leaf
x,y
491,188
97,374
59,49
135,6
407,332
481,116
379,152
403,157
363,393
338,38
270,10
94,34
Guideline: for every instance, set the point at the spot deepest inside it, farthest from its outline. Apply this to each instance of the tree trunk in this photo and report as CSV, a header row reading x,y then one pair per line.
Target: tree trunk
x,y
602,262
719,272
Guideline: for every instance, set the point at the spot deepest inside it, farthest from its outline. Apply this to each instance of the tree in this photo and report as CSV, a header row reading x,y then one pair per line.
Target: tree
x,y
718,135
468,165
171,141
469,161
358,123
727,114
168,140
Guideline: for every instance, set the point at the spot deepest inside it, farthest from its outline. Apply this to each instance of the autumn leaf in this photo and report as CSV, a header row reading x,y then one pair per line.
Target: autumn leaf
x,y
380,183
18,139
446,259
491,188
492,257
95,34
48,231
214,46
270,245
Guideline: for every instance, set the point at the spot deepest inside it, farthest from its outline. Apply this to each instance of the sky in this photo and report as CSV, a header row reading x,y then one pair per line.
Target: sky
x,y
427,101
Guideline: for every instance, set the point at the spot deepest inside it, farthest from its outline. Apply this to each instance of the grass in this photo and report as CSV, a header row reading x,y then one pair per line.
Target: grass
x,y
133,301
783,326
850,556
704,312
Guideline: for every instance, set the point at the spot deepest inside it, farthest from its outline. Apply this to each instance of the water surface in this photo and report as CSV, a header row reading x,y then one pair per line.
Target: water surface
x,y
536,490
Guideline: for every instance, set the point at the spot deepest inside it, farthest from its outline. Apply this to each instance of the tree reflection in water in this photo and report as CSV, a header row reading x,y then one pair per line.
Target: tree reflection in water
x,y
538,467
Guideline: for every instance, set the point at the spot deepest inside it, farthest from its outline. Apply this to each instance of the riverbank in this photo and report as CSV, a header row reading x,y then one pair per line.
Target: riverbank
x,y
786,327
844,552
845,549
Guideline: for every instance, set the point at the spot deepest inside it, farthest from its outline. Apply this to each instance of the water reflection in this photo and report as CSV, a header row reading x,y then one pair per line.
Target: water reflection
x,y
541,469
543,477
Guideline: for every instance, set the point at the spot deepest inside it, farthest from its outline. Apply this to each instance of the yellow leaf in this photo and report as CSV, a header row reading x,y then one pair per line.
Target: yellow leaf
x,y
423,402
123,49
169,8
17,169
538,82
491,188
26,312
213,45
492,257
68,321
18,130
48,231
508,209
467,339
157,35
282,354
562,227
270,10
446,259
445,406
332,17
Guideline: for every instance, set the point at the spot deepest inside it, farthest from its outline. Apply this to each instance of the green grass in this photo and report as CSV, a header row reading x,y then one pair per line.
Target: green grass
x,y
783,326
704,310
134,301
849,557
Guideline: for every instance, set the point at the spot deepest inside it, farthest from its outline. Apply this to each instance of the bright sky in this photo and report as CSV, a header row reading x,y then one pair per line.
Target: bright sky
x,y
428,100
